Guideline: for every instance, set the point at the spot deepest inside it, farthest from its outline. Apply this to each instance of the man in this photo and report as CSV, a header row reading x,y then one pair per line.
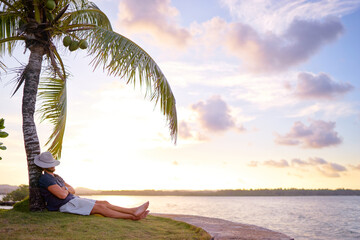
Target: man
x,y
59,196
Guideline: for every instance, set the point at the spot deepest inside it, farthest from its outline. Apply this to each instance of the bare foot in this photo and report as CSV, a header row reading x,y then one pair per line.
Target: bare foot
x,y
142,216
140,210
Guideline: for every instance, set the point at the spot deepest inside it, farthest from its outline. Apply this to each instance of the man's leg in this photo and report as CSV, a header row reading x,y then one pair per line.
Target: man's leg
x,y
137,211
100,208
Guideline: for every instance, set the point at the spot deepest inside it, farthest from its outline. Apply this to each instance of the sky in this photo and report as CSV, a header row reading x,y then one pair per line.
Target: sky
x,y
267,95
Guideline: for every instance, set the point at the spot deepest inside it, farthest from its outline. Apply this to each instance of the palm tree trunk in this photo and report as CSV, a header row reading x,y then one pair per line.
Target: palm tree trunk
x,y
32,145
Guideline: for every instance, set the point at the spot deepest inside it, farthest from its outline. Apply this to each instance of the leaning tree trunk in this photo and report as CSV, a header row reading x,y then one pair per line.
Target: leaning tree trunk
x,y
32,145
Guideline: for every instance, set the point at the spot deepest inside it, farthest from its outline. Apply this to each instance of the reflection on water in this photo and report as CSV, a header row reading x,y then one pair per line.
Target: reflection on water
x,y
315,217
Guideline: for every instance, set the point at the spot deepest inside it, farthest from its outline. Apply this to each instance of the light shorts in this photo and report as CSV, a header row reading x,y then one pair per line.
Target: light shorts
x,y
81,206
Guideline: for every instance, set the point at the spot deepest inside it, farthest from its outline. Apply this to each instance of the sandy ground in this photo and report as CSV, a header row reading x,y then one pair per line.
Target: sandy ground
x,y
222,229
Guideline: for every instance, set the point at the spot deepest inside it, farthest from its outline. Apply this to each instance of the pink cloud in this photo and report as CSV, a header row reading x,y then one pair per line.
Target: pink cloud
x,y
331,169
355,167
279,164
310,86
327,169
187,132
154,17
184,130
318,134
298,162
253,164
277,52
317,161
214,114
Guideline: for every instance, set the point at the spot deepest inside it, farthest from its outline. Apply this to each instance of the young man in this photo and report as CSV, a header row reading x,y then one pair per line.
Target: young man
x,y
59,196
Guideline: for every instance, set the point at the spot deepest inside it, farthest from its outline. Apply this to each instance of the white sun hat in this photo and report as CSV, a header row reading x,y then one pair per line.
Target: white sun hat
x,y
46,160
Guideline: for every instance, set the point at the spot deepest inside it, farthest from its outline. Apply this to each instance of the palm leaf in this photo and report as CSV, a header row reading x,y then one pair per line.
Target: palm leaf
x,y
119,56
7,5
92,15
56,60
52,95
2,66
53,100
9,24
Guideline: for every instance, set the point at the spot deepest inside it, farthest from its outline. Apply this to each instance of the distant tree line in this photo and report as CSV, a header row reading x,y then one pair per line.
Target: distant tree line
x,y
17,195
237,192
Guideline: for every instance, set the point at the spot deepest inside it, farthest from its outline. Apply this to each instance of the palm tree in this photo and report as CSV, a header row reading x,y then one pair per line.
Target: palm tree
x,y
41,25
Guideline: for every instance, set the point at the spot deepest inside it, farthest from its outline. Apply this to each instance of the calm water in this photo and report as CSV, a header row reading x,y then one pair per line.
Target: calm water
x,y
4,207
313,218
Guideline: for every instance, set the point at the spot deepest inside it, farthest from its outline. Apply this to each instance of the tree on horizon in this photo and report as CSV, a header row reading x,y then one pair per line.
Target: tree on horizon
x,y
41,26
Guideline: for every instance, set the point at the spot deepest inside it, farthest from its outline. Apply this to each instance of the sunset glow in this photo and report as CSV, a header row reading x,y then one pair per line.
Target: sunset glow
x,y
267,96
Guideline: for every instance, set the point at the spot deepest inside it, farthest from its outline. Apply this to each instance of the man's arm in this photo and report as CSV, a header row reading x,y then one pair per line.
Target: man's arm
x,y
58,191
70,188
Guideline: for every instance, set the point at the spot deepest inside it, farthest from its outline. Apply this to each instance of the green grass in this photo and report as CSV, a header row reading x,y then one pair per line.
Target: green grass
x,y
19,223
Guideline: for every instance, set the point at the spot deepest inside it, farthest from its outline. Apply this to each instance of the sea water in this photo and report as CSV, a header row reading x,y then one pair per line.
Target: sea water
x,y
305,217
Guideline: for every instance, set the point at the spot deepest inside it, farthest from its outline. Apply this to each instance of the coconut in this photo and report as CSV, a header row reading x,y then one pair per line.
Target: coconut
x,y
67,41
50,4
83,44
74,45
49,16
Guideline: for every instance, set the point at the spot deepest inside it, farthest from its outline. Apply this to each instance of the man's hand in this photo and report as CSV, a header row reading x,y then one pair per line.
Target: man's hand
x,y
70,188
58,191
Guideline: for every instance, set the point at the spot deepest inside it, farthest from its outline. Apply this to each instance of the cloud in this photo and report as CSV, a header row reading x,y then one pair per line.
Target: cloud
x,y
326,109
184,130
214,114
272,52
209,34
260,51
332,169
277,15
355,167
279,164
310,86
188,132
318,135
327,169
316,161
253,164
298,162
154,17
336,167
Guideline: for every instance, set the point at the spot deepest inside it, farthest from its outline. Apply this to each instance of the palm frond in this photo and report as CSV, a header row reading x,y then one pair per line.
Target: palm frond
x,y
91,16
6,5
74,4
119,56
52,96
56,60
9,24
20,78
2,66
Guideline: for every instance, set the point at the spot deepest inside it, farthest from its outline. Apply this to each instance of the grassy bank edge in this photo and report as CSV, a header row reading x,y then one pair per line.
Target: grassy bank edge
x,y
19,223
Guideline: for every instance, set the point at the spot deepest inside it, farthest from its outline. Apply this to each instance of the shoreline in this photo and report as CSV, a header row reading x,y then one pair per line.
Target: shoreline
x,y
220,229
